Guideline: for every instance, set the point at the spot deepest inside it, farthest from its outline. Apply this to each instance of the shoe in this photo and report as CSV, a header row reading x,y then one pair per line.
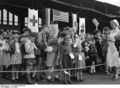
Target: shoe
x,y
81,80
107,73
13,80
70,82
114,78
30,82
56,79
66,82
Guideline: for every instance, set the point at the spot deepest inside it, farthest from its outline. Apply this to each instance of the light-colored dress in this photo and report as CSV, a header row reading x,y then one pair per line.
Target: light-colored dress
x,y
112,53
16,57
6,53
1,52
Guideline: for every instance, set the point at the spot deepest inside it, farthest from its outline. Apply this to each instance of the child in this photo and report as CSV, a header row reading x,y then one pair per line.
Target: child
x,y
1,52
92,56
79,59
67,56
80,63
16,58
6,55
29,56
93,69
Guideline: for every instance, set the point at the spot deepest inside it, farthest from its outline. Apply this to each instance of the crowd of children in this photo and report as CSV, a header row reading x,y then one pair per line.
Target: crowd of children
x,y
30,54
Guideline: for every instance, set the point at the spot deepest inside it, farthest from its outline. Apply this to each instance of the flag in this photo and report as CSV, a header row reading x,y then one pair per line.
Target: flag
x,y
82,25
4,16
10,18
95,21
75,25
60,16
33,20
54,30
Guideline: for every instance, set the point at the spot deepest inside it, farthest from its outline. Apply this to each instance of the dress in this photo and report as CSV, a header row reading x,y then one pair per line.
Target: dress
x,y
1,52
51,56
6,53
16,58
80,63
112,53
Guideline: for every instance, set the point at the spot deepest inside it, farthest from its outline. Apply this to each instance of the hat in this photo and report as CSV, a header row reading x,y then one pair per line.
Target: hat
x,y
15,36
115,22
66,29
26,29
64,33
95,32
106,30
33,35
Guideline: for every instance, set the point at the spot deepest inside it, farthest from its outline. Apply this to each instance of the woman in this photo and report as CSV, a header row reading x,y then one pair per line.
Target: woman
x,y
51,56
112,53
66,55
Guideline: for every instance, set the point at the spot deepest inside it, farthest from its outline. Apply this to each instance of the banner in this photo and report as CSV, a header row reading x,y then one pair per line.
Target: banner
x,y
95,22
75,24
26,21
33,20
4,16
0,16
40,22
60,16
82,25
54,29
16,20
47,15
10,18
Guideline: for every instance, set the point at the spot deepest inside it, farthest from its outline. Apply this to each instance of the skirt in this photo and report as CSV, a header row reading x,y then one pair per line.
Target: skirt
x,y
6,58
79,63
66,61
50,59
113,56
1,58
16,59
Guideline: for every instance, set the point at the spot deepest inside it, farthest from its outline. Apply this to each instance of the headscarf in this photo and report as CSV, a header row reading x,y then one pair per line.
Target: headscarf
x,y
115,22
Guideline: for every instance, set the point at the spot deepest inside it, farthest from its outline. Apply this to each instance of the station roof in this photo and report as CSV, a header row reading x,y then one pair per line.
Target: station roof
x,y
87,8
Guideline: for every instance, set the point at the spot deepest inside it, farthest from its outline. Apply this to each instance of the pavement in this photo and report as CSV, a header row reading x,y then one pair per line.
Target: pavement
x,y
99,78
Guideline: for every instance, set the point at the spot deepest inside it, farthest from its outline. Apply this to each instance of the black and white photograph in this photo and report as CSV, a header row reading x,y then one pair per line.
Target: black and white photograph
x,y
59,42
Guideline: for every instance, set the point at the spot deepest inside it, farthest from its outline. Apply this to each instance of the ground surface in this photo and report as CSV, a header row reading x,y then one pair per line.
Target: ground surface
x,y
98,78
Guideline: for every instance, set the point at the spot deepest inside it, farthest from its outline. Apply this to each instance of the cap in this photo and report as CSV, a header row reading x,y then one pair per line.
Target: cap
x,y
95,32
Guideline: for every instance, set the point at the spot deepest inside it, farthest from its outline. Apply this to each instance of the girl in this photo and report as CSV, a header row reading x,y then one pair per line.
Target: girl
x,y
91,53
66,58
16,58
6,54
1,52
79,59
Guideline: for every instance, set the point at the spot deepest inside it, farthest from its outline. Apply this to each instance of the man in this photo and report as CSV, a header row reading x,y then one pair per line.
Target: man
x,y
97,38
42,43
